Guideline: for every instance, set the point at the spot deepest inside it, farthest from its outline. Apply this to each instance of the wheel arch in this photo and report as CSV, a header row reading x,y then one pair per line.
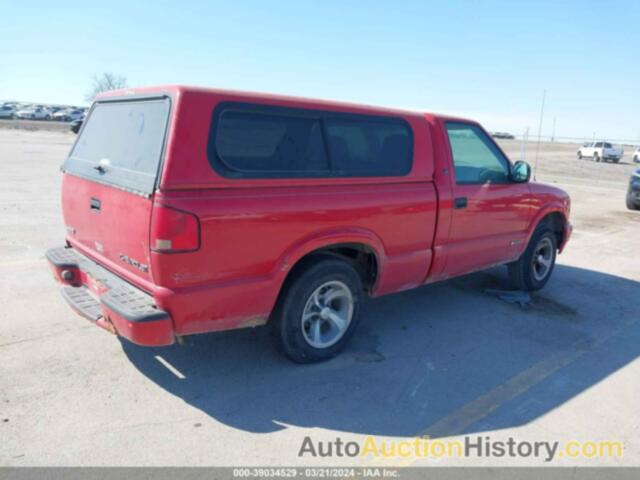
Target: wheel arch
x,y
557,221
362,249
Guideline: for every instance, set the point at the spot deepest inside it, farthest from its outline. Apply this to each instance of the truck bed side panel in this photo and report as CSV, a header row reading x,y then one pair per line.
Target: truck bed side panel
x,y
261,232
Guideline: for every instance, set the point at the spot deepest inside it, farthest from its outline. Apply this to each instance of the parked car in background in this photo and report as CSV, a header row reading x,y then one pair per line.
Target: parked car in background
x,y
35,113
75,125
259,209
600,151
7,111
636,155
71,115
633,193
60,115
503,135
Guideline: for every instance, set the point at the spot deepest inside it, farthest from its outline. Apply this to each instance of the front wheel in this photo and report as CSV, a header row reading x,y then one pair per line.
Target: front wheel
x,y
596,157
631,204
318,311
533,269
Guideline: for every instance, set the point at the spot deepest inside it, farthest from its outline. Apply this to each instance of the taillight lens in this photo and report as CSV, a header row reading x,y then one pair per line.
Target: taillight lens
x,y
174,230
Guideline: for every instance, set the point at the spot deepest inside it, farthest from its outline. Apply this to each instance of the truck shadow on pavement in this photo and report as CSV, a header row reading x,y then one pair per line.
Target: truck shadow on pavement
x,y
441,360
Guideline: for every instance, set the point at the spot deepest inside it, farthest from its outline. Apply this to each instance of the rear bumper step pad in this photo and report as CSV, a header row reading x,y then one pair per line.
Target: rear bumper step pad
x,y
130,310
82,302
132,304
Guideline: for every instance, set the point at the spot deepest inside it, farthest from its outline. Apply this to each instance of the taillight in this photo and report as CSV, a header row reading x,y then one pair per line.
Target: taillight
x,y
174,230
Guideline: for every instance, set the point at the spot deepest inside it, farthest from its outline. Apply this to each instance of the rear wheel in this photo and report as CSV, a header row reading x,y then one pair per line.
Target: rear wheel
x,y
318,311
631,204
533,269
579,155
635,159
596,157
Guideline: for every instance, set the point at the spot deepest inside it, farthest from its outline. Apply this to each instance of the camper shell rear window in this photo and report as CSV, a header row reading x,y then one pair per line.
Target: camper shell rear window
x,y
122,143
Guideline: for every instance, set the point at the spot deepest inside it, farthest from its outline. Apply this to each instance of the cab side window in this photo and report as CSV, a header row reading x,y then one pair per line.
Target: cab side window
x,y
476,158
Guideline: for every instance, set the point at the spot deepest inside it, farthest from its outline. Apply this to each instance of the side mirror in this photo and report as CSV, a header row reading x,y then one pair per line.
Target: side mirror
x,y
520,172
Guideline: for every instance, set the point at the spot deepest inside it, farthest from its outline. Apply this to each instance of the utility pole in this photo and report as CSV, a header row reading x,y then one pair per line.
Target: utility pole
x,y
553,130
535,165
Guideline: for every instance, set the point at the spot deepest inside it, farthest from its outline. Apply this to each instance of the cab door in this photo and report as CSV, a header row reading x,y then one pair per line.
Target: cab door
x,y
490,212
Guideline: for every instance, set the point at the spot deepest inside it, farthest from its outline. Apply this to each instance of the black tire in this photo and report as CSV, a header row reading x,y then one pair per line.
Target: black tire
x,y
579,155
635,159
286,322
616,160
596,157
631,204
521,272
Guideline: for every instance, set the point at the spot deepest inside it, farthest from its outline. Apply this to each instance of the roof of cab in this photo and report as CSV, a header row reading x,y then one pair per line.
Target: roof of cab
x,y
177,90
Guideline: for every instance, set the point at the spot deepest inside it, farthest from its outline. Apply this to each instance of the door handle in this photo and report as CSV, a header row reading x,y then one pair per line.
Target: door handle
x,y
460,202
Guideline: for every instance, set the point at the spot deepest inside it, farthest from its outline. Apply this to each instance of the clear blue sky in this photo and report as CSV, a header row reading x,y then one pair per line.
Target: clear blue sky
x,y
487,60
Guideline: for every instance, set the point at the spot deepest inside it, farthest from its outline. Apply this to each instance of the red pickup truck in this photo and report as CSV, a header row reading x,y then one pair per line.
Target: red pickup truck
x,y
191,210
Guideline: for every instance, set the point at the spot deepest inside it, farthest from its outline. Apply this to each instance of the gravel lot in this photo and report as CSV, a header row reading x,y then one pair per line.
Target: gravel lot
x,y
444,360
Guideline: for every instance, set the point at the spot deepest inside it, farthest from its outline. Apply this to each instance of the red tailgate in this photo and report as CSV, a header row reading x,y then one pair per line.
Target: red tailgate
x,y
108,223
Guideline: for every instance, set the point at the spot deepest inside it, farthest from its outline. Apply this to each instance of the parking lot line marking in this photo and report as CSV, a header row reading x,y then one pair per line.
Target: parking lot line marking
x,y
170,367
457,422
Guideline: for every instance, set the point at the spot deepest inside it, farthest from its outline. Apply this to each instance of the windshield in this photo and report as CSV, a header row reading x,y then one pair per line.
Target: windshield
x,y
121,144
